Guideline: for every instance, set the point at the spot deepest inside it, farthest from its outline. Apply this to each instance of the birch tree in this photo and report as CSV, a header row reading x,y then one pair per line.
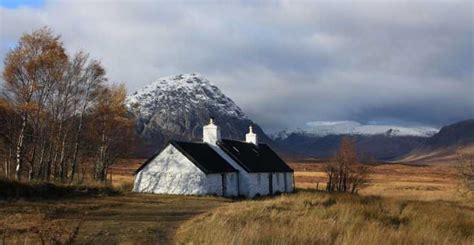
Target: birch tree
x,y
38,59
113,128
57,112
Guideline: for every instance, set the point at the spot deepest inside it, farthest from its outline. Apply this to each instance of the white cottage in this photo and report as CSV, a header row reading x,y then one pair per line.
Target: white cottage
x,y
215,167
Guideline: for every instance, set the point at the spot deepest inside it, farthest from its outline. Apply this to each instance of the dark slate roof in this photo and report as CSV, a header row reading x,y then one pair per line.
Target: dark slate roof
x,y
202,155
254,158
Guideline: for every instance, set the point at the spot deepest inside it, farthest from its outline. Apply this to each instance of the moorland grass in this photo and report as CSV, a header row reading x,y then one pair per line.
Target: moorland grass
x,y
310,217
129,218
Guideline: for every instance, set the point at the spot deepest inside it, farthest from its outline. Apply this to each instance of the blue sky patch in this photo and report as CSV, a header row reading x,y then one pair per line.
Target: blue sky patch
x,y
21,3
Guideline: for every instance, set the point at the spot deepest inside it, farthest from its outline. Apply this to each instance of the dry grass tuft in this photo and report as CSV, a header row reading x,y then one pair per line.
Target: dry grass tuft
x,y
310,217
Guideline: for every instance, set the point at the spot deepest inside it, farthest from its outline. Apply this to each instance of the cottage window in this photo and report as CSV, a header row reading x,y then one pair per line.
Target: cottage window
x,y
258,179
278,179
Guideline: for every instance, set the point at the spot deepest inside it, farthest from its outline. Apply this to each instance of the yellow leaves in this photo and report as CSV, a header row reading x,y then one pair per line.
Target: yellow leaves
x,y
62,100
112,100
37,61
28,107
5,106
110,112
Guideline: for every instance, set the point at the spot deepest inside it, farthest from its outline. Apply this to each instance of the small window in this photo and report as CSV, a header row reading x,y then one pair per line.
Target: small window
x,y
278,179
259,179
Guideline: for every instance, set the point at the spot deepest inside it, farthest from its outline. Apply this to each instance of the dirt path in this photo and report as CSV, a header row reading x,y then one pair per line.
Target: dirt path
x,y
131,219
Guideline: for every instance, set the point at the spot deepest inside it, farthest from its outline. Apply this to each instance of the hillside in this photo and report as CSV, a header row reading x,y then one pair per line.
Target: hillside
x,y
459,134
176,107
369,147
320,139
445,145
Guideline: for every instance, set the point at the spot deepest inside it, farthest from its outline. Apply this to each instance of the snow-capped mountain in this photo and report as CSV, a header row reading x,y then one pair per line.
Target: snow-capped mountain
x,y
186,91
321,139
176,107
324,128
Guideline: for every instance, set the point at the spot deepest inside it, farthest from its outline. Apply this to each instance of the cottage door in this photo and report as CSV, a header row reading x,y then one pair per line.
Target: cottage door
x,y
270,183
224,187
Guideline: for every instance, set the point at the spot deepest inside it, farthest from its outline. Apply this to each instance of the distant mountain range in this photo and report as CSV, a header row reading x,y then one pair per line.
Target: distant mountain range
x,y
325,128
412,144
176,107
369,147
321,139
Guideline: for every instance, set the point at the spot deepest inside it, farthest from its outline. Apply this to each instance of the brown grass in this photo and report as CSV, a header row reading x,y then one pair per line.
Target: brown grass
x,y
128,218
310,217
403,204
410,182
413,204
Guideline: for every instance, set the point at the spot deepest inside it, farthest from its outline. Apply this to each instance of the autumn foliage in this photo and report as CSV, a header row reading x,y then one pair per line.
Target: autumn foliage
x,y
59,118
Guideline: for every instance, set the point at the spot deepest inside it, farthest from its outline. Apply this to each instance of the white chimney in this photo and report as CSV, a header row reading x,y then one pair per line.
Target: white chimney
x,y
211,133
251,137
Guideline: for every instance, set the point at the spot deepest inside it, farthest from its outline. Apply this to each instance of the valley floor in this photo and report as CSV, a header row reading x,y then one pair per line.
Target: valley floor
x,y
402,204
413,182
437,181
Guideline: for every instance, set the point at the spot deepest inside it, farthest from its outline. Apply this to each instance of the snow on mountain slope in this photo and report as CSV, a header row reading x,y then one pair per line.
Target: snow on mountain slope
x,y
176,107
183,92
324,128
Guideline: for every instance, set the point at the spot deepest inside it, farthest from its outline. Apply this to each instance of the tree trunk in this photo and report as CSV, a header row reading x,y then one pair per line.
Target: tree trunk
x,y
39,175
48,166
7,163
32,162
78,134
19,147
64,169
56,141
101,163
76,148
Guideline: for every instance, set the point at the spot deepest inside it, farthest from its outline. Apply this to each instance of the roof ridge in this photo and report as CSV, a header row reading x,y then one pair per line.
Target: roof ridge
x,y
206,161
254,158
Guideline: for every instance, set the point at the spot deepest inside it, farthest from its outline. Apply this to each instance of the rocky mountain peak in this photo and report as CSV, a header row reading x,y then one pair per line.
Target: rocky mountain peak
x,y
181,92
176,107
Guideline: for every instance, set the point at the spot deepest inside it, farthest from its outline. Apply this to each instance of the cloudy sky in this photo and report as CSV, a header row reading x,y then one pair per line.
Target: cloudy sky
x,y
285,63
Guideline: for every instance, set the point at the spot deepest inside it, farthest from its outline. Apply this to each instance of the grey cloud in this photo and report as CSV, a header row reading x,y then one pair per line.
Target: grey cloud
x,y
284,63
